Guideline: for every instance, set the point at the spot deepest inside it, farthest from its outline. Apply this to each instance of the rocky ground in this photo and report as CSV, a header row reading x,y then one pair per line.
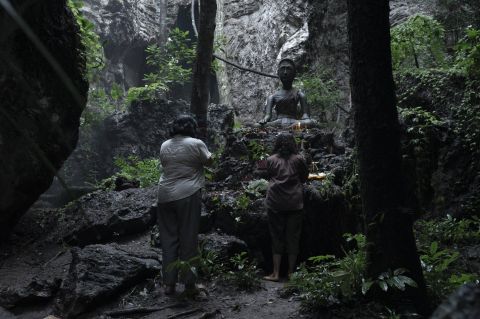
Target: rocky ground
x,y
99,254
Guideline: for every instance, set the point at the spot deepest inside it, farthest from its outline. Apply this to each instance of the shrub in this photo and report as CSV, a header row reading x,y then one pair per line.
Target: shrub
x,y
443,266
468,53
244,274
328,280
257,188
321,91
418,42
146,171
172,65
441,271
448,231
93,48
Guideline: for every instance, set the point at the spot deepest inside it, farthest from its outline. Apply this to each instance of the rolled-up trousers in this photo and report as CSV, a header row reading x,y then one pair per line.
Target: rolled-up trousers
x,y
179,222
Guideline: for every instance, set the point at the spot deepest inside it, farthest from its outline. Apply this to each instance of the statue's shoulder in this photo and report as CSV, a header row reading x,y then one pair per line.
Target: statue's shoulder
x,y
276,95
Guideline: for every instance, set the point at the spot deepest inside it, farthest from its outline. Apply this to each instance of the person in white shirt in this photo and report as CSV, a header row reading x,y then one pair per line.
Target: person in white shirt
x,y
180,197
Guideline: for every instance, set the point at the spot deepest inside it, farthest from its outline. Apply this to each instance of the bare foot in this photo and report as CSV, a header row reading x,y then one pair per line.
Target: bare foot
x,y
271,277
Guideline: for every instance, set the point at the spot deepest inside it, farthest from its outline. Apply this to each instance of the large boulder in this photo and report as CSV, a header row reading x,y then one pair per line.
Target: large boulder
x,y
223,246
462,304
140,131
32,277
439,141
99,272
106,215
41,104
126,28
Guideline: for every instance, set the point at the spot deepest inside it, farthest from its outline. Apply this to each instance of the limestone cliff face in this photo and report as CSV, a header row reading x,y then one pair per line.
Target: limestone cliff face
x,y
126,27
257,35
39,115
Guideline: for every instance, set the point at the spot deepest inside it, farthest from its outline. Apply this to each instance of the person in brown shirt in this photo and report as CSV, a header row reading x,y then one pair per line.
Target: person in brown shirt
x,y
287,171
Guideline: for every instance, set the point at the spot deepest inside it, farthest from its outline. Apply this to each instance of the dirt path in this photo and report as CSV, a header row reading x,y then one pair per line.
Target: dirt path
x,y
220,302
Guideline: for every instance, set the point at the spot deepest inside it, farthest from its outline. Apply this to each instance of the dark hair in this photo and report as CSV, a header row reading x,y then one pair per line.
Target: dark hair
x,y
285,145
184,125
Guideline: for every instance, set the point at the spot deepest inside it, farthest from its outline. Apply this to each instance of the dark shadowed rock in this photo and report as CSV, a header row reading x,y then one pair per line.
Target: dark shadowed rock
x,y
39,115
123,183
4,314
37,291
250,223
99,272
444,169
224,246
106,215
32,276
462,304
327,218
140,132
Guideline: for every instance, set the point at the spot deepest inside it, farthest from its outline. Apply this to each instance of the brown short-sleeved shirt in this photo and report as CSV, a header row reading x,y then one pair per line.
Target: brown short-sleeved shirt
x,y
285,190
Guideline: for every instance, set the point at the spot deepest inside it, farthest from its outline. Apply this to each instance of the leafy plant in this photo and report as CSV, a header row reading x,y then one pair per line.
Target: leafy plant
x,y
172,64
440,273
242,202
210,265
468,53
419,149
448,231
257,188
184,267
327,280
146,171
321,92
256,150
244,274
102,104
216,155
91,41
418,42
389,279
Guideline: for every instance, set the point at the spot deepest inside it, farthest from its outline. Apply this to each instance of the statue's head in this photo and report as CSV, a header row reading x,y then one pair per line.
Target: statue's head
x,y
286,71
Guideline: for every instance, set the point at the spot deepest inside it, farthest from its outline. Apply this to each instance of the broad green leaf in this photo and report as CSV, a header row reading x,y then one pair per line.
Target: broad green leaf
x,y
407,281
383,285
366,285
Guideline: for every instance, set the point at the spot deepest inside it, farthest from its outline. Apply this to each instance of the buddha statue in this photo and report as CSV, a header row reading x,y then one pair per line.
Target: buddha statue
x,y
286,101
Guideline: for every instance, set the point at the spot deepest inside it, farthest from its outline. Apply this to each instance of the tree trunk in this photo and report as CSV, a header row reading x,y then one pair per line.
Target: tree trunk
x,y
202,66
388,222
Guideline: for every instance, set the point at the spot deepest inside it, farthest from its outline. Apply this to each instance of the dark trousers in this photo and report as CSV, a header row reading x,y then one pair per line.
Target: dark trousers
x,y
179,224
285,230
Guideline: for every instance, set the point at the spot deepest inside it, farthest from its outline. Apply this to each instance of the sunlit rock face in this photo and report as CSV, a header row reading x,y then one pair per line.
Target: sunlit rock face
x,y
257,35
125,28
39,116
401,10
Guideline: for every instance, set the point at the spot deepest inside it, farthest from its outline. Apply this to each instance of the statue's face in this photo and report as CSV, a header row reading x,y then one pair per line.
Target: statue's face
x,y
286,73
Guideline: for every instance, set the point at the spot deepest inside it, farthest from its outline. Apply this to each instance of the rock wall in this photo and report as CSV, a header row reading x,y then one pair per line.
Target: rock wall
x,y
39,115
258,34
139,132
314,33
125,28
